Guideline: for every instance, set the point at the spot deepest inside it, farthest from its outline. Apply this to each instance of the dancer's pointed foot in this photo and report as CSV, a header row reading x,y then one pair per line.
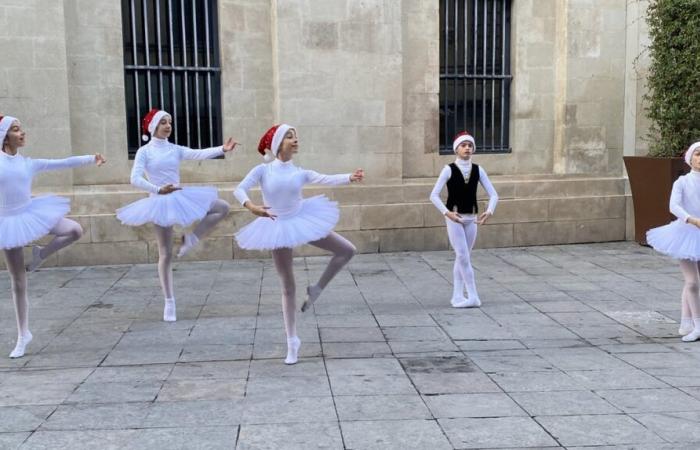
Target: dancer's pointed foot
x,y
293,345
312,294
37,260
189,241
686,326
169,311
22,342
692,336
459,302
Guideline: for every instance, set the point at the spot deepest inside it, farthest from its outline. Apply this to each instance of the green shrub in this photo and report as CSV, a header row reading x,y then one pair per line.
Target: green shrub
x,y
673,98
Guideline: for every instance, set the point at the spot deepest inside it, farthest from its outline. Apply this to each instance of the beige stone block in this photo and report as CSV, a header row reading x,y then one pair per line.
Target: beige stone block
x,y
350,218
629,218
320,35
210,249
494,235
520,210
133,252
586,208
406,215
544,233
412,239
604,230
107,228
432,217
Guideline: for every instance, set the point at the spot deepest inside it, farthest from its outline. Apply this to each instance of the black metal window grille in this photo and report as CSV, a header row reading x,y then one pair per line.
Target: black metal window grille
x,y
171,62
475,73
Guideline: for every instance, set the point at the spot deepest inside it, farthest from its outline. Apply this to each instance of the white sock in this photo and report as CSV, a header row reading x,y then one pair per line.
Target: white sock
x,y
686,326
36,259
695,334
293,344
190,242
169,311
459,302
312,293
22,342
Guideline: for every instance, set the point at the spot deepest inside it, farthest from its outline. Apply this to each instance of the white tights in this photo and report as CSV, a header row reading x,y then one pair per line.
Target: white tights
x,y
164,237
462,238
65,232
342,250
690,299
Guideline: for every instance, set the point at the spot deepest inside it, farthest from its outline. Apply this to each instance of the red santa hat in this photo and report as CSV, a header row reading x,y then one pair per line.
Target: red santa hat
x,y
690,151
461,137
5,124
150,122
270,142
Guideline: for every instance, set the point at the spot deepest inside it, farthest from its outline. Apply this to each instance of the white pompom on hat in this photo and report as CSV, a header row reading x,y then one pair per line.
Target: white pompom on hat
x,y
462,137
150,122
690,151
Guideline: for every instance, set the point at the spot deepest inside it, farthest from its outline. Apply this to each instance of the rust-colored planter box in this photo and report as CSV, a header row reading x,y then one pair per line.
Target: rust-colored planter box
x,y
651,181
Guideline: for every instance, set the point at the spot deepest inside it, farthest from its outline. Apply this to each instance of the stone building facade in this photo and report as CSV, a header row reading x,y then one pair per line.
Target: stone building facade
x,y
361,81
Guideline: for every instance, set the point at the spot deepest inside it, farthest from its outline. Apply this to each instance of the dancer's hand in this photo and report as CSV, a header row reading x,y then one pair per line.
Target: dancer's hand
x,y
453,216
694,221
261,211
168,189
357,175
483,217
99,159
230,145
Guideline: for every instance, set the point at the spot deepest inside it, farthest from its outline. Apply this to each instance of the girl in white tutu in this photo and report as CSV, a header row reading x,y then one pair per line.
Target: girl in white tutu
x,y
169,204
24,219
680,239
288,220
462,178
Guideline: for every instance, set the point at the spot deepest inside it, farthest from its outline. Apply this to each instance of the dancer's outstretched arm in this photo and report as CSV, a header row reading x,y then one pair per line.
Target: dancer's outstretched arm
x,y
44,165
313,177
207,153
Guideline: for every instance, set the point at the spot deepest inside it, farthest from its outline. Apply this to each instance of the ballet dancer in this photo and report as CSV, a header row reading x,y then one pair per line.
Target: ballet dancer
x,y
461,214
24,219
287,220
156,170
680,240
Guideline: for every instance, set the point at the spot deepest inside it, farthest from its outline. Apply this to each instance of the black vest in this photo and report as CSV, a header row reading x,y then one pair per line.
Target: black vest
x,y
462,193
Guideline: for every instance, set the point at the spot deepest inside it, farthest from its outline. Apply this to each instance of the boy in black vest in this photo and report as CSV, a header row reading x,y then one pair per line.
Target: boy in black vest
x,y
462,214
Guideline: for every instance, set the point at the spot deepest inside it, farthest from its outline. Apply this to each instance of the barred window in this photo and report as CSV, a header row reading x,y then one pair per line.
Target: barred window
x,y
475,73
171,62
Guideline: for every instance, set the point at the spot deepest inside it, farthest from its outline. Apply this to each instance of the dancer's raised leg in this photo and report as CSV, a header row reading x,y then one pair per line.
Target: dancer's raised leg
x,y
218,211
343,251
65,232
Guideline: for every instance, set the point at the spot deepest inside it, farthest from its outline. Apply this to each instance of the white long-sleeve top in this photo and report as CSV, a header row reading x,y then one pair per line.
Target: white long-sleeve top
x,y
158,163
465,167
17,173
281,184
685,196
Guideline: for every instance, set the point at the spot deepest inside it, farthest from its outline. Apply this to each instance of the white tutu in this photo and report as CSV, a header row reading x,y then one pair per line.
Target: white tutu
x,y
32,221
314,220
678,240
177,208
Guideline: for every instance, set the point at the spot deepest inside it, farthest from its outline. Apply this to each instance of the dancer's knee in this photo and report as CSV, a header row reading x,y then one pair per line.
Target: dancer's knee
x,y
221,207
348,252
692,286
76,232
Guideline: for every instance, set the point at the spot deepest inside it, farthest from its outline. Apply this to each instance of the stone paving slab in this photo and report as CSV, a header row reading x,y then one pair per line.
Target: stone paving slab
x,y
574,347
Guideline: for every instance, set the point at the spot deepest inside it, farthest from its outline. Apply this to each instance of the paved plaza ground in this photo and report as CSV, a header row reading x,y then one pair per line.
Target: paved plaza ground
x,y
574,346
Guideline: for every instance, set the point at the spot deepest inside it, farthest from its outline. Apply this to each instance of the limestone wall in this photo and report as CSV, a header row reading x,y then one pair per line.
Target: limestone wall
x,y
360,78
33,78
